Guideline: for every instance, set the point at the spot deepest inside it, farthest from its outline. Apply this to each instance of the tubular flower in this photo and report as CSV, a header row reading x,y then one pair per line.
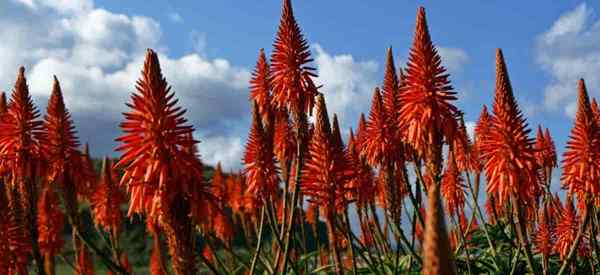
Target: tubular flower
x,y
153,144
544,237
160,171
51,222
19,132
508,152
260,86
218,184
107,200
59,142
566,229
453,188
581,159
427,114
260,170
292,78
327,172
363,181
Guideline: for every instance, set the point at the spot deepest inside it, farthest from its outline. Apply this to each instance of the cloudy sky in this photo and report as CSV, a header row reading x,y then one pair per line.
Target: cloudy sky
x,y
208,49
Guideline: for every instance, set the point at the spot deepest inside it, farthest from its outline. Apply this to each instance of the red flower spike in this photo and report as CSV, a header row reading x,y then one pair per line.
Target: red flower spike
x,y
260,170
19,130
284,138
218,183
327,172
566,229
260,86
152,146
581,159
508,152
427,114
453,188
292,78
364,181
163,176
467,157
51,223
550,149
380,147
390,89
59,142
544,237
107,200
361,132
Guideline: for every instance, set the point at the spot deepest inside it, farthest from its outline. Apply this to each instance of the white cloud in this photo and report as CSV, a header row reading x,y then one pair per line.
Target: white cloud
x,y
567,51
97,55
175,17
347,84
454,59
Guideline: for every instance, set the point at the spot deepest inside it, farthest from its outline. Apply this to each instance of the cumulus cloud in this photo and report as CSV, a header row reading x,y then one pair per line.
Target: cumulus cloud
x,y
347,84
97,55
567,51
454,59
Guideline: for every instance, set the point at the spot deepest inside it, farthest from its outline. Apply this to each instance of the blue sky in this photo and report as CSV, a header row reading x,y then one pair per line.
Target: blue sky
x,y
208,49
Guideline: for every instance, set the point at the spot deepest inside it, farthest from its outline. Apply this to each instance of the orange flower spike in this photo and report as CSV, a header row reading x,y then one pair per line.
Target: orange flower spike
x,y
361,132
284,139
508,152
260,86
260,170
327,172
427,114
390,88
364,181
540,144
60,141
155,133
550,149
379,148
51,222
218,183
581,159
566,229
107,200
292,78
544,237
453,188
19,130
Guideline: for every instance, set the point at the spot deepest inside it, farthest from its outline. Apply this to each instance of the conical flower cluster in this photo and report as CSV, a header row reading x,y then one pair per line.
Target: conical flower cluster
x,y
328,171
292,78
427,114
508,152
107,200
153,146
259,160
581,160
